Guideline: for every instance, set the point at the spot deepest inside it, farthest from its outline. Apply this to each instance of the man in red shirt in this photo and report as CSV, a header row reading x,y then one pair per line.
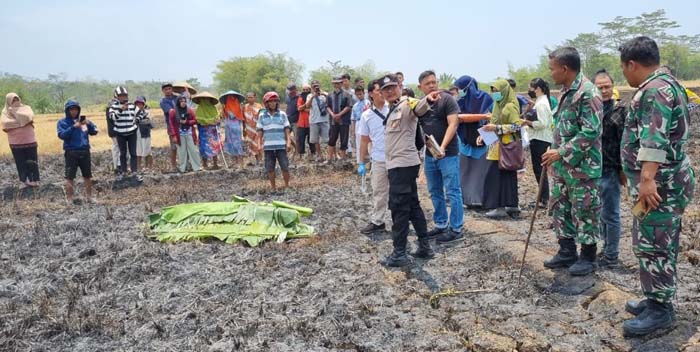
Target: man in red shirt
x,y
303,125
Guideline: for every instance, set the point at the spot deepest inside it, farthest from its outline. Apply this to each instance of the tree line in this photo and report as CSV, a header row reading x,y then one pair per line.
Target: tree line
x,y
274,71
598,50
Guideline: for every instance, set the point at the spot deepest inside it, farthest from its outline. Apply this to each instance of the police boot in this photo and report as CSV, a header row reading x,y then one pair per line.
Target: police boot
x,y
397,258
656,316
586,263
424,251
566,255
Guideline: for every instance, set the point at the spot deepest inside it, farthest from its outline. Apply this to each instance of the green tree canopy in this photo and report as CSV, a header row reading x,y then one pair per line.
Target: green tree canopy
x,y
324,74
259,74
599,50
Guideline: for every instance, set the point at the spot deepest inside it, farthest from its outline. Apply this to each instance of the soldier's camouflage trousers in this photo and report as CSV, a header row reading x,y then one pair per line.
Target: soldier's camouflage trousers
x,y
576,209
655,240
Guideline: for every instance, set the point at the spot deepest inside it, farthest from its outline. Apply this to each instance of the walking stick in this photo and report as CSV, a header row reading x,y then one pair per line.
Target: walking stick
x,y
221,146
543,177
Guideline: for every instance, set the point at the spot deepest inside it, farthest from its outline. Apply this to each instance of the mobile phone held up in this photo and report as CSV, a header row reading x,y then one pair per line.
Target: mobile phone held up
x,y
82,118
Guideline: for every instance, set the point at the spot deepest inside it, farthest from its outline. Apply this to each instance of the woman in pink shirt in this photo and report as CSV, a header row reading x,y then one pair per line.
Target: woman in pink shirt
x,y
17,121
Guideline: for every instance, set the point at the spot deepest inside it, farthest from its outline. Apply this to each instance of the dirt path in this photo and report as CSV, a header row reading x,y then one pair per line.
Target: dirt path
x,y
87,279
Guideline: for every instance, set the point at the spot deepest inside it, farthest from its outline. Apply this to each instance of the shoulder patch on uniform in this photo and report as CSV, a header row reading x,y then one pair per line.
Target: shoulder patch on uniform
x,y
412,102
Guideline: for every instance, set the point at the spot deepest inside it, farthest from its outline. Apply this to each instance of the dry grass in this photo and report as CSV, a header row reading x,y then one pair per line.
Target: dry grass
x,y
49,143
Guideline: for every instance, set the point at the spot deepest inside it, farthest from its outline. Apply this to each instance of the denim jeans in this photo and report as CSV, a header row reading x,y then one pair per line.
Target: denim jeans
x,y
610,217
443,177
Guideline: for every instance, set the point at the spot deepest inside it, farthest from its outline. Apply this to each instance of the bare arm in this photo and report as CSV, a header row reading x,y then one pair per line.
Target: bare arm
x,y
288,137
453,122
364,142
260,138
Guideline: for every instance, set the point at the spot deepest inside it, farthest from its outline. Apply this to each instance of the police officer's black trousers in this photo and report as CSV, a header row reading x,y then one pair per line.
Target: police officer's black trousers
x,y
404,205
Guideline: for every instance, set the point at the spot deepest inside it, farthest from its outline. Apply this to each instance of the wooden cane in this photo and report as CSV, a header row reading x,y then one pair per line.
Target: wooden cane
x,y
543,176
221,146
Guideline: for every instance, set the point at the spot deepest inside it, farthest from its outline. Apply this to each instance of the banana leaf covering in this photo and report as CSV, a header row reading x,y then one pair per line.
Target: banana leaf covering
x,y
231,222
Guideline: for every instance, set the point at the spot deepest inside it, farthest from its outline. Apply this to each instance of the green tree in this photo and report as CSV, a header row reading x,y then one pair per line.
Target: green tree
x,y
587,45
259,74
325,74
445,80
524,75
654,24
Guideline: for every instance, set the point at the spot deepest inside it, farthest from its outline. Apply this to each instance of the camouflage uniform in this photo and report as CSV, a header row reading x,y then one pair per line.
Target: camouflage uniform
x,y
575,198
656,131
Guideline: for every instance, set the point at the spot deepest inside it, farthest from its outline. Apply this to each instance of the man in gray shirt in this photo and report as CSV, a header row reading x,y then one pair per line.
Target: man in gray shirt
x,y
319,126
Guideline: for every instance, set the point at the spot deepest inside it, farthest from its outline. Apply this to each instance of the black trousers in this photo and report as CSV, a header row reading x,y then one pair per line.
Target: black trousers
x,y
537,148
303,138
27,162
404,205
500,187
339,131
125,142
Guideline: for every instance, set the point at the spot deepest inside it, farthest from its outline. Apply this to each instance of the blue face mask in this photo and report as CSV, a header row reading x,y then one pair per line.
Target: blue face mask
x,y
461,94
497,96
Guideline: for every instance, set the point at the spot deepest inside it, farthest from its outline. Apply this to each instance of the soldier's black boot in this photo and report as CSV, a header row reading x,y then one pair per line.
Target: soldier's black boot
x,y
586,263
566,255
635,307
424,251
656,316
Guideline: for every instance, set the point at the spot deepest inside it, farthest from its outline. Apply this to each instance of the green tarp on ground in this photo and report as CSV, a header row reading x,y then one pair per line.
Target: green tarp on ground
x,y
231,222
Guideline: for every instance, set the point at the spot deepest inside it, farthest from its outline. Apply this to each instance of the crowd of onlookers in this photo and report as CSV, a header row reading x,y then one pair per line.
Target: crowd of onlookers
x,y
585,144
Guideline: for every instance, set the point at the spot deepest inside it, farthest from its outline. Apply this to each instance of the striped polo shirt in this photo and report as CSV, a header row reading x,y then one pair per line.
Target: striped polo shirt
x,y
124,119
273,128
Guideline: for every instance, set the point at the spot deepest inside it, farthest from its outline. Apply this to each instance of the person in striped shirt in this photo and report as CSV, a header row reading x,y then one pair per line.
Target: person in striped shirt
x,y
273,134
124,122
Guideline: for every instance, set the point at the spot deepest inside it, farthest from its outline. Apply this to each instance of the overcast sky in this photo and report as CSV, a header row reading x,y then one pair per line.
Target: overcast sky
x,y
177,39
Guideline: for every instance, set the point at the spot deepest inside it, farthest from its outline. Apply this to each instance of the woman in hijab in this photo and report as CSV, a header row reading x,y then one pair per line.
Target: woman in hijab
x,y
233,126
501,186
17,121
183,133
475,106
208,123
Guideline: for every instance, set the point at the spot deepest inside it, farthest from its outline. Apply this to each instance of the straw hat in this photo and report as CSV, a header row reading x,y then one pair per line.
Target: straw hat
x,y
222,98
205,95
180,87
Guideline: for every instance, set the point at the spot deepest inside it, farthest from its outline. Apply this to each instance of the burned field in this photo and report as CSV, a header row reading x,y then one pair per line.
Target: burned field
x,y
87,278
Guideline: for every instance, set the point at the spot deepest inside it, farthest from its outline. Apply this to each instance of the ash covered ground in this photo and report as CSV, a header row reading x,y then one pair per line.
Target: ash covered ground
x,y
87,278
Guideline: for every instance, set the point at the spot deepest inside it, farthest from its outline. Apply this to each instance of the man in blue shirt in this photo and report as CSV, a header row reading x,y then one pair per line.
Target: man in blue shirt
x,y
167,103
75,131
273,134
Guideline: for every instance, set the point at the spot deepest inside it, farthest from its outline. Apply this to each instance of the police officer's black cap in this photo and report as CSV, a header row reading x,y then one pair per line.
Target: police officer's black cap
x,y
388,80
